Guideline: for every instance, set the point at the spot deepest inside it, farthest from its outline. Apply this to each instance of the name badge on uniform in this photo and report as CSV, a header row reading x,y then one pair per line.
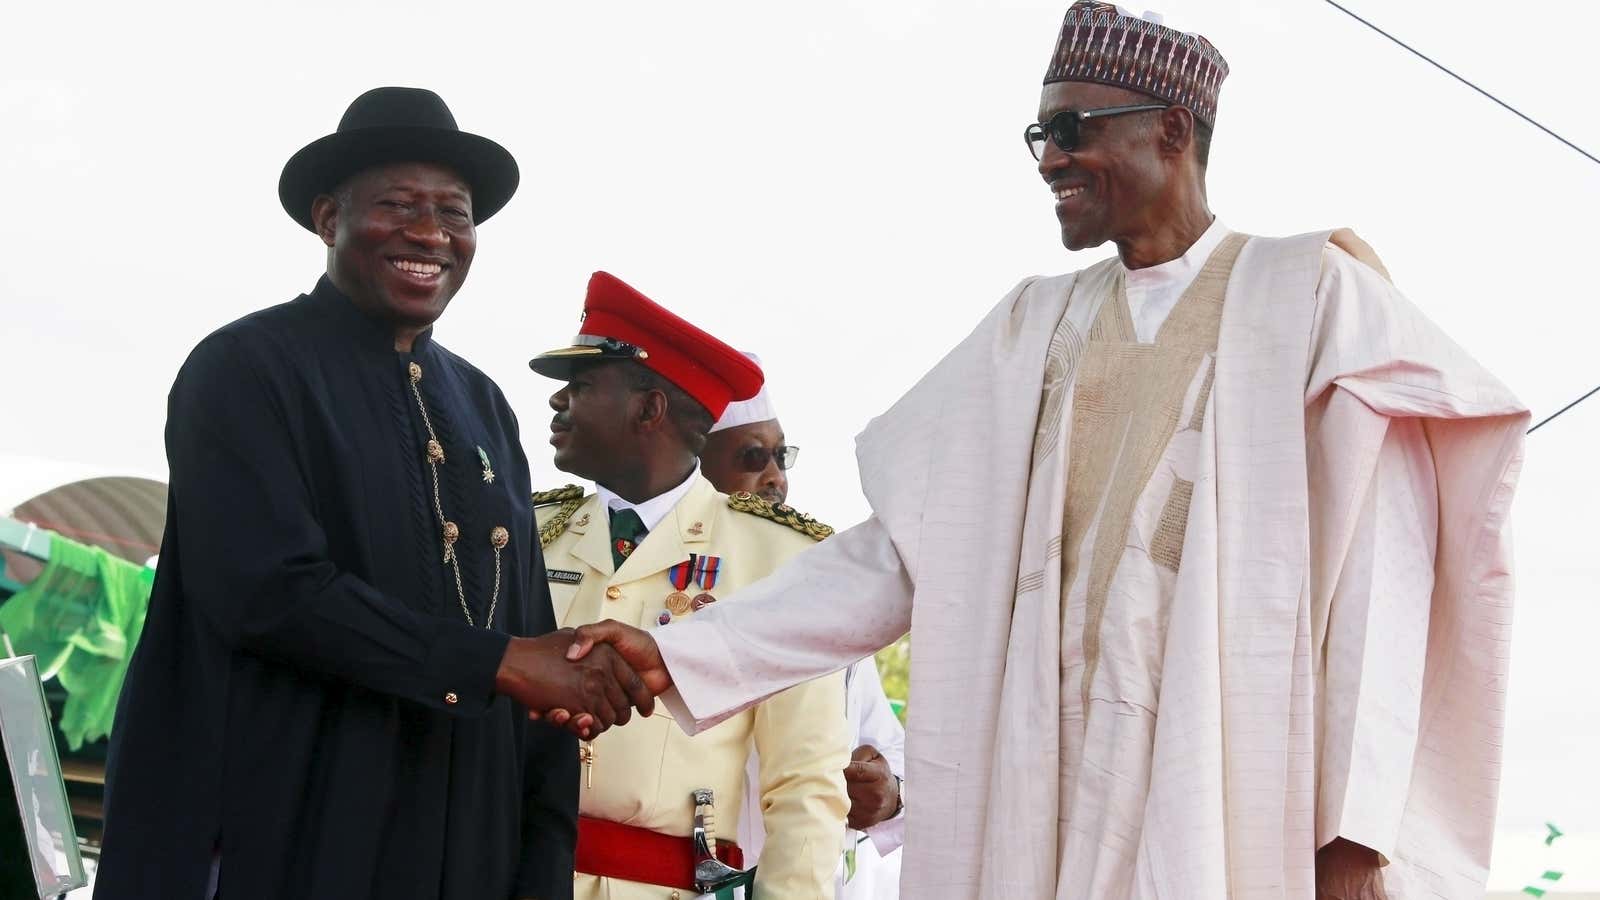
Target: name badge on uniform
x,y
563,576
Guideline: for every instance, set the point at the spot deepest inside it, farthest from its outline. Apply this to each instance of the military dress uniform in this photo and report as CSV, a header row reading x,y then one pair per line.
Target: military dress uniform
x,y
645,785
642,774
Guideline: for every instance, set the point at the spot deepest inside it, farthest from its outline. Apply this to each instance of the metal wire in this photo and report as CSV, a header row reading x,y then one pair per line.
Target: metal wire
x,y
1441,67
1508,108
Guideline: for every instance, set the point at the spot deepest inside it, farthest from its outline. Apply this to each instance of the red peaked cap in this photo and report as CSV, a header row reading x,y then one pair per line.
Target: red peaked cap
x,y
705,368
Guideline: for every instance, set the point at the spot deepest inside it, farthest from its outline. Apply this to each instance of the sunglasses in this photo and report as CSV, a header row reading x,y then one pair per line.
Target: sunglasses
x,y
755,459
1066,127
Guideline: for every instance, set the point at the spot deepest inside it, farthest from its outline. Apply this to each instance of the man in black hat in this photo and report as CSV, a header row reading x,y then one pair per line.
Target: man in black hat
x,y
350,604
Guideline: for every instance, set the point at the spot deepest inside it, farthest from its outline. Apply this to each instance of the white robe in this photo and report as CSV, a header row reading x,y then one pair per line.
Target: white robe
x,y
1279,678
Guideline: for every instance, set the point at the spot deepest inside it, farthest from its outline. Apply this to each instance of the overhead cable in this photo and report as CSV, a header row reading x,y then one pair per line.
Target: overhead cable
x,y
1440,66
1509,108
1562,410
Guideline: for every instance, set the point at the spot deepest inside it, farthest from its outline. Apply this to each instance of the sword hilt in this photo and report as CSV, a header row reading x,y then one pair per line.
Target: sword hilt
x,y
710,873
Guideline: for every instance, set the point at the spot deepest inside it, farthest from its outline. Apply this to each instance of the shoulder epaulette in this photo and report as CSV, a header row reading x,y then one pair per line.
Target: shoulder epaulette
x,y
744,501
570,497
559,495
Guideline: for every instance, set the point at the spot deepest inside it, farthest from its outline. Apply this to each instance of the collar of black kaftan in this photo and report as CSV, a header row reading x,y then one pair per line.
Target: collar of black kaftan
x,y
343,315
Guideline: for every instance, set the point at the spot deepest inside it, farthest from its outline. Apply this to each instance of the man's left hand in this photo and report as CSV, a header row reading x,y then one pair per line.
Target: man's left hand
x,y
1349,871
874,793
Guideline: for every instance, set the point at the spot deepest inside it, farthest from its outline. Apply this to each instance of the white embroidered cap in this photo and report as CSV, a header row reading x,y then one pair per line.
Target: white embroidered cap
x,y
743,412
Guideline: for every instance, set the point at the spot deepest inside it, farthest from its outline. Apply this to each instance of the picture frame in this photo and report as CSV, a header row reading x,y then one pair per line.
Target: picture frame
x,y
39,854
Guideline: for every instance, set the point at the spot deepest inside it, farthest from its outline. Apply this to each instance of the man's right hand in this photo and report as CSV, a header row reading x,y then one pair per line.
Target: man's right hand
x,y
600,687
874,791
634,646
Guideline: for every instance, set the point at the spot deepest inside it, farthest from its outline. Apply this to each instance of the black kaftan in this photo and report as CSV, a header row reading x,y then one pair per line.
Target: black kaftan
x,y
308,703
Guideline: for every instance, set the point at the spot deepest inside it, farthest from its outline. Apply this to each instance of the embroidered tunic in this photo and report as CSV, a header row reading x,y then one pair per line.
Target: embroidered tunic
x,y
1125,418
308,704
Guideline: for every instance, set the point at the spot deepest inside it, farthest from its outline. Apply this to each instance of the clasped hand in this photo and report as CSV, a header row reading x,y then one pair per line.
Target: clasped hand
x,y
585,680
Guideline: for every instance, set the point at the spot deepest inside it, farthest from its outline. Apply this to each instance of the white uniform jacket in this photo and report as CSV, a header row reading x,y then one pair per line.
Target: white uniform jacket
x,y
643,773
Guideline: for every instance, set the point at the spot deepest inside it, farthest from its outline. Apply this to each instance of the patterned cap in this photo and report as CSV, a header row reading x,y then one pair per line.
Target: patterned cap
x,y
1102,44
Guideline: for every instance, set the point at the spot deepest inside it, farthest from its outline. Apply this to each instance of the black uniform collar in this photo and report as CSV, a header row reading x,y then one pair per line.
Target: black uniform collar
x,y
347,319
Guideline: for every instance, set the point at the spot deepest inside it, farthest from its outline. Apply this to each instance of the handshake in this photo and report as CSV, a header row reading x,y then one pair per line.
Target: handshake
x,y
586,679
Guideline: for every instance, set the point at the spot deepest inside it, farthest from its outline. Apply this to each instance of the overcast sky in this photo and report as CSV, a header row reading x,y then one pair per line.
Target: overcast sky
x,y
839,186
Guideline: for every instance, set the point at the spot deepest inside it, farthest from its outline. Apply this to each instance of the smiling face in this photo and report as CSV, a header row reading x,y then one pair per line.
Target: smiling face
x,y
400,241
592,431
743,458
1107,187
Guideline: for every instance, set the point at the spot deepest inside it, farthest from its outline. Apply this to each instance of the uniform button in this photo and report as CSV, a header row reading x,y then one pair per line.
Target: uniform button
x,y
451,698
613,592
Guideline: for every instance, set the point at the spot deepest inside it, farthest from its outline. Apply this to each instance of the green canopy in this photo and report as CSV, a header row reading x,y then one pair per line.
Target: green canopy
x,y
81,618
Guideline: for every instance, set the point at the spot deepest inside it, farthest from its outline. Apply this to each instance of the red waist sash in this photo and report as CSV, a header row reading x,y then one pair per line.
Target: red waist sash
x,y
614,850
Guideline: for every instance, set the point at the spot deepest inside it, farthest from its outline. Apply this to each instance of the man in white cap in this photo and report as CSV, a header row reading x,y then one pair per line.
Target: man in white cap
x,y
746,451
1203,548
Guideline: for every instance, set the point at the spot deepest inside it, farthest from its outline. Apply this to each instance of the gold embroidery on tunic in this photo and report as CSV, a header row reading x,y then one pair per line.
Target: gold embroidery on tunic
x,y
1127,400
1060,362
1166,547
1060,366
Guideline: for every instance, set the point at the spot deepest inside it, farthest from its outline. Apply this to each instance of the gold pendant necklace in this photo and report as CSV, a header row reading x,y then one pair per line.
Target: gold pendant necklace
x,y
448,530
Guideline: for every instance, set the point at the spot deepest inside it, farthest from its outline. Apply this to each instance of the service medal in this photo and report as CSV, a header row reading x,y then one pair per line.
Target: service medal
x,y
701,601
706,570
680,575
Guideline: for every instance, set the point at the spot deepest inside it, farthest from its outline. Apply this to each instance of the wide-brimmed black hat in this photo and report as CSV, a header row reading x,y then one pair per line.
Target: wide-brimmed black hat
x,y
396,124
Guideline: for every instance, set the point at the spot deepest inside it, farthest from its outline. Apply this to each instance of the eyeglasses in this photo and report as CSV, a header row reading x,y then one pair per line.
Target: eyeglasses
x,y
1065,127
755,459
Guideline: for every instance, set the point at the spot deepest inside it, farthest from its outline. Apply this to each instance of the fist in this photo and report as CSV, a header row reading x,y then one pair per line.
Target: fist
x,y
874,792
1348,871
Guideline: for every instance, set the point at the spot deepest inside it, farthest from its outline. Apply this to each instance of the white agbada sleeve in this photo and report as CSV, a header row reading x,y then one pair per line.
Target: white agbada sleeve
x,y
1376,642
833,604
1412,453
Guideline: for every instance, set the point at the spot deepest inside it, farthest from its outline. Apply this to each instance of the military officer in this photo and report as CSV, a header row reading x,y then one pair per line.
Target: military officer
x,y
656,542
